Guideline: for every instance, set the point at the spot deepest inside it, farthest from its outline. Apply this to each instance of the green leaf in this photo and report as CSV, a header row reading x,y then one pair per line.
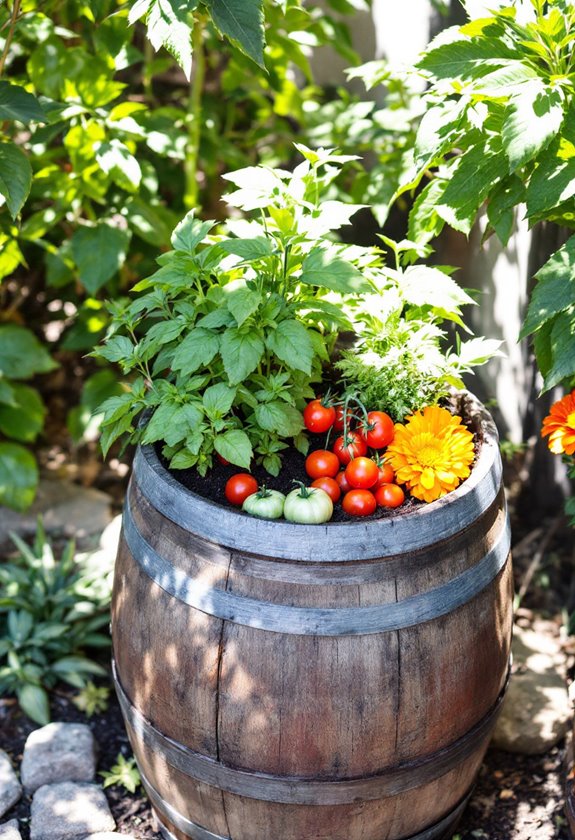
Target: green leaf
x,y
21,354
234,445
190,232
475,174
463,59
185,420
6,393
248,249
502,204
424,223
292,345
554,291
196,350
115,159
436,130
279,417
242,21
423,285
241,353
99,252
243,302
532,119
562,341
170,25
17,104
162,419
218,399
25,420
18,476
553,181
321,268
118,348
33,700
15,177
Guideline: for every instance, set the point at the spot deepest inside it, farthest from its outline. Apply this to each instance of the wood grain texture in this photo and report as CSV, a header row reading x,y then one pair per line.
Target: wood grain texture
x,y
220,655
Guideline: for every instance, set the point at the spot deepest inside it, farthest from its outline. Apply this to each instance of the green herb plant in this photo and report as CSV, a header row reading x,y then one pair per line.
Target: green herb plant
x,y
232,330
92,699
401,360
124,772
52,611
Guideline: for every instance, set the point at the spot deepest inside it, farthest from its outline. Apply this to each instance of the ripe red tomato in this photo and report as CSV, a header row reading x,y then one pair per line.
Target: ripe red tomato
x,y
239,487
353,447
222,460
320,463
379,430
362,472
342,482
389,495
329,485
318,417
386,474
338,422
359,503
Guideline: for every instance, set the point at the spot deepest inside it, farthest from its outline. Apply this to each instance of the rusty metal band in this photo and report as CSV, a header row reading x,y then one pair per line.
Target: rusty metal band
x,y
304,791
340,621
196,832
333,542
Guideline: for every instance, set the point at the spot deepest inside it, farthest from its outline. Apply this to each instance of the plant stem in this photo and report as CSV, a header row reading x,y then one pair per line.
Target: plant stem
x,y
194,120
10,34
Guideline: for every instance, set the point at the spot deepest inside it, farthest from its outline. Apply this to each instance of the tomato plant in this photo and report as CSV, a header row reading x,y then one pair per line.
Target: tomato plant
x,y
265,503
318,416
351,446
362,472
389,495
308,505
322,462
377,429
359,502
329,486
239,487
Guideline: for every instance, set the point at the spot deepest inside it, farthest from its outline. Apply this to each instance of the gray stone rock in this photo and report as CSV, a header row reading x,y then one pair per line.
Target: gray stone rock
x,y
69,811
10,831
10,787
107,835
67,509
58,752
536,712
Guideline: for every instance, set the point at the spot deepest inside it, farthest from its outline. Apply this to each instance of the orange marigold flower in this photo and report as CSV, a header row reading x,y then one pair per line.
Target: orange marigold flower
x,y
431,453
560,426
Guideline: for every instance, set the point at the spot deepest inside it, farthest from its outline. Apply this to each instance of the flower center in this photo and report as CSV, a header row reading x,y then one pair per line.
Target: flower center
x,y
429,454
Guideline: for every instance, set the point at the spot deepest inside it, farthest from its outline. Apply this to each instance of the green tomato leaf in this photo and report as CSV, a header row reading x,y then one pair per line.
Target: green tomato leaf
x,y
248,249
99,252
15,177
33,700
196,350
291,343
242,21
464,59
532,119
185,420
118,348
163,418
25,420
241,353
18,476
243,302
234,445
17,104
6,393
21,354
279,417
322,268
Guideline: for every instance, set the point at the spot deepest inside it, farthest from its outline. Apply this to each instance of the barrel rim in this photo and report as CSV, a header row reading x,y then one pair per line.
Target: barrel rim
x,y
333,541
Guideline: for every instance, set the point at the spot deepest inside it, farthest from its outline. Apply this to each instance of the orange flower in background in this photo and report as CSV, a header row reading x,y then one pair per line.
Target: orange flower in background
x,y
560,426
431,453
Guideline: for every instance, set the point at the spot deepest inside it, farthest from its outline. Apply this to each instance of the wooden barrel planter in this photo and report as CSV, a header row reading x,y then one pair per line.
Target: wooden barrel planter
x,y
312,682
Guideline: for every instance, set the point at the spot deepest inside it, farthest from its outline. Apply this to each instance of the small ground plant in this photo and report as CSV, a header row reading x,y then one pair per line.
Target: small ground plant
x,y
53,611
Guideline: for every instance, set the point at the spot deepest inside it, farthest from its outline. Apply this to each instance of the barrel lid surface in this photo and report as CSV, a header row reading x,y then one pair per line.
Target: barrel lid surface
x,y
332,541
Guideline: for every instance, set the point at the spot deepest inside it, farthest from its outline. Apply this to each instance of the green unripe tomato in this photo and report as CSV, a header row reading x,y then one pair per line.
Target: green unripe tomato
x,y
267,504
308,506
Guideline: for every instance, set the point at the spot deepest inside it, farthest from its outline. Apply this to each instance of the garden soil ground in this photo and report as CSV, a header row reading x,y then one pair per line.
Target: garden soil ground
x,y
516,797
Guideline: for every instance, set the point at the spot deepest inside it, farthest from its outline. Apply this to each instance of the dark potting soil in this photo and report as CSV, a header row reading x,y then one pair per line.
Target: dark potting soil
x,y
212,486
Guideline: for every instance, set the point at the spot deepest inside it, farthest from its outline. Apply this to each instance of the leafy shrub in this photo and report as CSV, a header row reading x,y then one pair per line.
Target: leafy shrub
x,y
52,610
124,772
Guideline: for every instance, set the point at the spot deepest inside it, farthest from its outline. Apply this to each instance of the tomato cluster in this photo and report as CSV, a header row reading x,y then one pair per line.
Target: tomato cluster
x,y
348,469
